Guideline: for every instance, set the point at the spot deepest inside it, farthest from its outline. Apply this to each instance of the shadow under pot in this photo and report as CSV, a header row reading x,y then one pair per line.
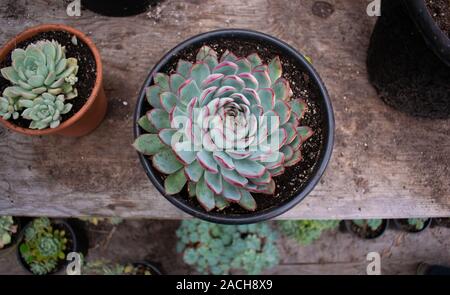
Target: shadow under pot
x,y
51,82
412,225
14,231
234,126
412,73
367,229
44,244
118,8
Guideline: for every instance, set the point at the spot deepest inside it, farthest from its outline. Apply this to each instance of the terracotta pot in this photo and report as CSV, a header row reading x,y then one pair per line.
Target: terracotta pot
x,y
91,114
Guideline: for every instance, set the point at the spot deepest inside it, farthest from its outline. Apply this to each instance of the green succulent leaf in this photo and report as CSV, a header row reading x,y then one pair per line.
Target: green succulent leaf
x,y
175,182
148,144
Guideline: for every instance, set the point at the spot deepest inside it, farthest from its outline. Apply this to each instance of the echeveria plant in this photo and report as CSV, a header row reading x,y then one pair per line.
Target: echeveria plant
x,y
7,229
42,79
43,246
306,231
417,223
372,224
224,127
216,249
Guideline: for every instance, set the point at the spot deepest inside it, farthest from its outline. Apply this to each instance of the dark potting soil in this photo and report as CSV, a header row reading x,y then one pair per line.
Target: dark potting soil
x,y
289,184
87,72
440,11
366,232
69,247
402,68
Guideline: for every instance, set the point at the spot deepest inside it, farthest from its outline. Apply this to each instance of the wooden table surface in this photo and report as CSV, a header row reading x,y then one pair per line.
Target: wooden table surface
x,y
385,164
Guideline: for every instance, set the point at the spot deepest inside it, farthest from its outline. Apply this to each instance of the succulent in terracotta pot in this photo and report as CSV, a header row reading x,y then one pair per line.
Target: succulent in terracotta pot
x,y
51,82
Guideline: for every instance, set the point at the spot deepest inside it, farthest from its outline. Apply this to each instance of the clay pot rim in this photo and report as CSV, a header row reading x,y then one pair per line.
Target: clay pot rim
x,y
27,34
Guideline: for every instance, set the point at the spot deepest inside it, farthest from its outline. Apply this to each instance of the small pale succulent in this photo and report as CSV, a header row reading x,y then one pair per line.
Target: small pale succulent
x,y
8,108
217,249
43,246
306,231
372,224
224,127
417,223
41,67
7,229
42,80
45,110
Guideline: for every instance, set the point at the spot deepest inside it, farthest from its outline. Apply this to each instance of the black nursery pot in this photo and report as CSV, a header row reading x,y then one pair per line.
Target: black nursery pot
x,y
408,60
236,215
77,243
369,235
117,7
402,224
436,39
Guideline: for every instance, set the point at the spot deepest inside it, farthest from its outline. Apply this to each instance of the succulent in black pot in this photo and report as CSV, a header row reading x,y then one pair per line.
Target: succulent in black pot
x,y
234,126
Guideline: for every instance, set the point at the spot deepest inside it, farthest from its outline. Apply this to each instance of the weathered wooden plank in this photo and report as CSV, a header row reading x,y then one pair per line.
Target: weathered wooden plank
x,y
385,164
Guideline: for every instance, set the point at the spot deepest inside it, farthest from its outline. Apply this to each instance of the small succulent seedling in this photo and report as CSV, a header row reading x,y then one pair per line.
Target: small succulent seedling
x,y
216,249
306,231
372,224
104,267
417,223
225,127
42,80
43,246
7,229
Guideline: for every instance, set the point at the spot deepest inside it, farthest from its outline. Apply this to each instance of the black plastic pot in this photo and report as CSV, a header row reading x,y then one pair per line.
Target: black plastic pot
x,y
181,201
380,231
152,267
402,224
408,60
435,38
14,237
117,7
79,242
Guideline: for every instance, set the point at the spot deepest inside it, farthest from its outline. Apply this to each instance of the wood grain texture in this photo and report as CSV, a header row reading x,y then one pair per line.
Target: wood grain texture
x,y
385,164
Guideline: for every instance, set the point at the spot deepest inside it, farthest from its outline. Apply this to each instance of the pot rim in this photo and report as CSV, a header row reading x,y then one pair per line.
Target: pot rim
x,y
324,156
435,38
30,32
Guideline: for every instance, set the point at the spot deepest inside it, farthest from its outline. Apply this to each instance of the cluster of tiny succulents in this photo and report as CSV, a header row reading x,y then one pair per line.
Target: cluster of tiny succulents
x,y
417,223
43,80
306,231
372,224
216,249
7,229
103,267
224,127
43,246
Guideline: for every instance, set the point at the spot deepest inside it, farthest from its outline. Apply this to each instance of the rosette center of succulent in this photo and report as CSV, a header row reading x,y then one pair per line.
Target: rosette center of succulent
x,y
225,124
